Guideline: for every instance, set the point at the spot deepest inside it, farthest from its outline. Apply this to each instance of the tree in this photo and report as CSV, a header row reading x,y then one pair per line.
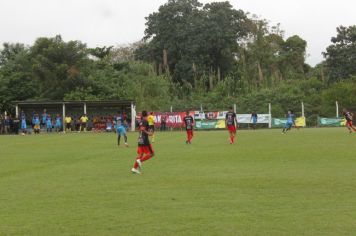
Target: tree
x,y
196,39
341,54
58,66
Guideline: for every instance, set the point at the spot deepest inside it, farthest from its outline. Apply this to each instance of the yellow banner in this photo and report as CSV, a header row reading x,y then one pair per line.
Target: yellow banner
x,y
300,122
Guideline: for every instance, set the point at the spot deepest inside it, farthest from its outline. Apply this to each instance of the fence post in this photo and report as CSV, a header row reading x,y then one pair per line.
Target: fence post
x,y
270,115
303,109
17,110
235,108
64,116
337,108
133,117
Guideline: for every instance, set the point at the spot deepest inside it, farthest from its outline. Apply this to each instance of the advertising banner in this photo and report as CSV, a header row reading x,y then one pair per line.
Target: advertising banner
x,y
210,124
246,118
331,122
281,122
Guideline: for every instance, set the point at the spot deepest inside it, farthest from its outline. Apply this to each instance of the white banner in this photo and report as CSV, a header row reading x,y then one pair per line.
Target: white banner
x,y
246,118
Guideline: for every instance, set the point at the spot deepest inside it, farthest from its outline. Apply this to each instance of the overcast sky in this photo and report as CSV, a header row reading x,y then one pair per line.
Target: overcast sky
x,y
117,22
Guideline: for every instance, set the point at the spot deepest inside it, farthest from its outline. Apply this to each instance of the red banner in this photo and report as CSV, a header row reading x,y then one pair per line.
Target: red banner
x,y
173,119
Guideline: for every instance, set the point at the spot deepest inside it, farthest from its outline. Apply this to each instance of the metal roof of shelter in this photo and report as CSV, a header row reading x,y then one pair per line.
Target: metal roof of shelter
x,y
88,103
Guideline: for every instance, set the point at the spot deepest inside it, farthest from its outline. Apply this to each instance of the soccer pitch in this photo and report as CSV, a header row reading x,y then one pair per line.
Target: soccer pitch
x,y
302,183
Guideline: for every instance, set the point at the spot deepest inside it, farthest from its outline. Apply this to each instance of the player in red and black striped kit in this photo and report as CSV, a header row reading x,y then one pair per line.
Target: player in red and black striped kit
x,y
144,149
231,123
349,117
189,123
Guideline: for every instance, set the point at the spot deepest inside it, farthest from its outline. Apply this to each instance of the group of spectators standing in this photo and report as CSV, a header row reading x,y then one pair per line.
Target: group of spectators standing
x,y
45,122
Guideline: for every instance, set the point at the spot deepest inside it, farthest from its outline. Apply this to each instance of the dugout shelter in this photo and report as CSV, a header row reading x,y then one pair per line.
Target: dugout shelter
x,y
78,108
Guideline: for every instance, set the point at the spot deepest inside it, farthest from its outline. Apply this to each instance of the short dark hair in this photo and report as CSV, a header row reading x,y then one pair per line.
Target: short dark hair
x,y
231,108
144,113
187,112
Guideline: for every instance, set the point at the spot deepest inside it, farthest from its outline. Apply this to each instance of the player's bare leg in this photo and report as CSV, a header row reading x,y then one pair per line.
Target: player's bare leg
x,y
125,138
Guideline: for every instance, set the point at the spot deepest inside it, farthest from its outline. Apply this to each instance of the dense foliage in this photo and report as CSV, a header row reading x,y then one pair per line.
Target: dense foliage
x,y
192,55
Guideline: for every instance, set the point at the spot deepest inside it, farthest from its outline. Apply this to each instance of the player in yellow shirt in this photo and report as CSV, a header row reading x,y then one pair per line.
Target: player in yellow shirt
x,y
151,125
83,123
68,122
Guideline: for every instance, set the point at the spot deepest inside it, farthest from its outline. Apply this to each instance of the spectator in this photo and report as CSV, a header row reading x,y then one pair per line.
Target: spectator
x,y
68,123
1,124
16,125
58,124
44,119
7,123
49,124
163,122
36,124
23,123
83,123
108,126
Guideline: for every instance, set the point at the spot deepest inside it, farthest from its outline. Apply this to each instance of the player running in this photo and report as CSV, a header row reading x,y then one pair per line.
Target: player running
x,y
188,123
349,118
231,124
151,125
144,149
120,129
290,122
254,119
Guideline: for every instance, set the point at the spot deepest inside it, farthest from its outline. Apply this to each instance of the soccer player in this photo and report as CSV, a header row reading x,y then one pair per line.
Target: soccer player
x,y
83,123
231,123
151,125
144,149
44,118
68,122
290,122
120,129
23,123
349,118
254,120
58,125
49,124
188,123
36,124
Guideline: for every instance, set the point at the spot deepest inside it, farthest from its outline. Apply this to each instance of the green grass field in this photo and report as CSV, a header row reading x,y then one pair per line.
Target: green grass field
x,y
303,183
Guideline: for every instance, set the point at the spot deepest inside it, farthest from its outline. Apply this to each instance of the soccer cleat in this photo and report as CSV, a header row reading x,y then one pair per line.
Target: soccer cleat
x,y
139,163
126,144
135,171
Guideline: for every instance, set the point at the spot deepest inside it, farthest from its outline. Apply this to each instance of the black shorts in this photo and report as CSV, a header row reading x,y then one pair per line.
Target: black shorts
x,y
68,125
151,128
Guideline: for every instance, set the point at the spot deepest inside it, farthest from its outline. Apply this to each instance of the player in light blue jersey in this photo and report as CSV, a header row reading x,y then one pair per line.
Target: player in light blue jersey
x,y
120,129
290,122
23,123
58,124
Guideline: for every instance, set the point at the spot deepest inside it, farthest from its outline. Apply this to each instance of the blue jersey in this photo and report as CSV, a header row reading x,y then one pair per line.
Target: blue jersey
x,y
49,123
44,117
23,123
36,120
290,119
119,121
58,122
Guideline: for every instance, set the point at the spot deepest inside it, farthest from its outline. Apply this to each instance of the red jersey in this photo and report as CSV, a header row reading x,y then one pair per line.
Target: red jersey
x,y
188,121
230,118
143,136
348,116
